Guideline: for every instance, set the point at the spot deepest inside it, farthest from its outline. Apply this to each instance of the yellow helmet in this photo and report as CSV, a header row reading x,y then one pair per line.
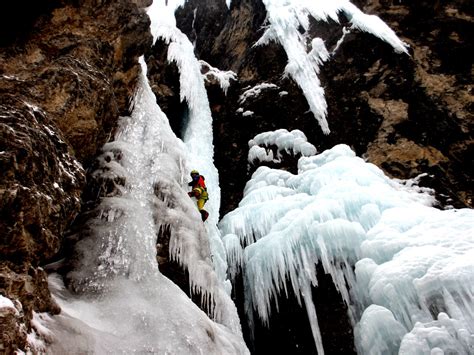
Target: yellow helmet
x,y
194,172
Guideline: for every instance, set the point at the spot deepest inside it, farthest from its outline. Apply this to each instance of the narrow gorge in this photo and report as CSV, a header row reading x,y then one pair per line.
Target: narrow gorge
x,y
336,142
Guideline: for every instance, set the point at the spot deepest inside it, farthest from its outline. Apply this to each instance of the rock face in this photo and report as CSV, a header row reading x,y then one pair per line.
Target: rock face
x,y
66,74
408,114
423,103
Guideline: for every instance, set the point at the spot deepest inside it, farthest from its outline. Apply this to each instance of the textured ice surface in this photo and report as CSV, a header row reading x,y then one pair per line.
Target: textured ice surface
x,y
293,142
124,304
442,336
412,262
378,332
137,309
198,136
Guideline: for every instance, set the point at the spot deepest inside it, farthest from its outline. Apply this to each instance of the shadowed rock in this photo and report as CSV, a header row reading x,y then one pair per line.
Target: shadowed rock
x,y
66,74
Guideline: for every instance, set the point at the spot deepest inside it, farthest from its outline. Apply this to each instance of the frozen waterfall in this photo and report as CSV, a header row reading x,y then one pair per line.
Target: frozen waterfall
x,y
404,268
123,304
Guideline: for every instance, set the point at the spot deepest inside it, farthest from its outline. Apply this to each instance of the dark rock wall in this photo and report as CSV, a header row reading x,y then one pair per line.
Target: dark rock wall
x,y
424,103
407,114
67,71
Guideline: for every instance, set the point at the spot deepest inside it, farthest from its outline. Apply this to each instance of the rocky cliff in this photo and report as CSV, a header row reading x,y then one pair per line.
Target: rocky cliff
x,y
409,114
68,70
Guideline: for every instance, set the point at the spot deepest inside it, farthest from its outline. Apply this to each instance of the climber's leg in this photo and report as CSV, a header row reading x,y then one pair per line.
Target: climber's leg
x,y
200,205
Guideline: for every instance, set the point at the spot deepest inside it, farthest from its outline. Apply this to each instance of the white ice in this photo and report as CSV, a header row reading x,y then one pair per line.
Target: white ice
x,y
258,154
123,303
442,336
294,142
223,77
413,263
198,136
286,18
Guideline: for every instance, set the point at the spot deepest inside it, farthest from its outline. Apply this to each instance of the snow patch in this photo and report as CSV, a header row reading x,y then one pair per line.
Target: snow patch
x,y
7,306
222,77
255,91
40,334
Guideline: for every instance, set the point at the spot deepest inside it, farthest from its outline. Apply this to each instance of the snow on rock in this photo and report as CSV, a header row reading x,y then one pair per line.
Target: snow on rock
x,y
293,142
222,77
7,306
286,18
412,262
153,316
255,91
40,334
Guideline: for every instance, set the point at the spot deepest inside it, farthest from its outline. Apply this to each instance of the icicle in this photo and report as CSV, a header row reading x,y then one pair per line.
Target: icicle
x,y
411,260
286,18
313,318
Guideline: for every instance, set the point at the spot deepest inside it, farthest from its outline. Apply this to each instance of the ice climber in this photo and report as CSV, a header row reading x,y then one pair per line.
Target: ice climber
x,y
199,191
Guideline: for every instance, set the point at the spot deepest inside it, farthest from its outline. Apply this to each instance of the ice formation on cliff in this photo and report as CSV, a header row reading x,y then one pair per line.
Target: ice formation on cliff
x,y
124,304
286,18
412,285
411,289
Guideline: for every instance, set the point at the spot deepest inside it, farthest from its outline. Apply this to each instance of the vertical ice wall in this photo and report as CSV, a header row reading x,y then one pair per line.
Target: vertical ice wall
x,y
198,136
124,304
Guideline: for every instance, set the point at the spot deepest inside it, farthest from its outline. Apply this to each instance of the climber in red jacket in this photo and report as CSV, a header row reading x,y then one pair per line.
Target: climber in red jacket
x,y
199,191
